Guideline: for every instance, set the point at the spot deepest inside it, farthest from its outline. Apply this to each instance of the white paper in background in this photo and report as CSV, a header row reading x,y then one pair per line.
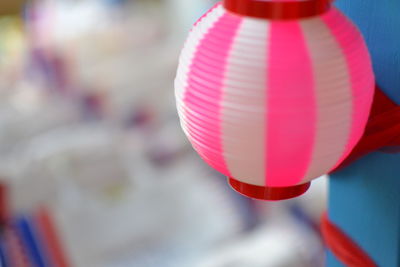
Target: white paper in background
x,y
278,242
114,208
314,201
167,218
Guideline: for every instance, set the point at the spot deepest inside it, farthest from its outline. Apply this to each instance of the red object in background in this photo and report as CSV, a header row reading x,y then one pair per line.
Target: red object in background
x,y
4,205
268,193
14,248
382,131
286,9
345,249
52,239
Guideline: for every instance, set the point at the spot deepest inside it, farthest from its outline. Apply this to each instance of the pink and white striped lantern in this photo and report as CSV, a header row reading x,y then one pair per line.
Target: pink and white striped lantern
x,y
274,94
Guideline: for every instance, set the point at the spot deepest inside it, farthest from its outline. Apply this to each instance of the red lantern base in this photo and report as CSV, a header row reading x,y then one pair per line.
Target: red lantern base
x,y
268,193
278,10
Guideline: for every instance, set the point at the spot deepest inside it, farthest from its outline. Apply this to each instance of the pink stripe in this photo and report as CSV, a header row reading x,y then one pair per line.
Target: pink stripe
x,y
291,106
202,100
360,70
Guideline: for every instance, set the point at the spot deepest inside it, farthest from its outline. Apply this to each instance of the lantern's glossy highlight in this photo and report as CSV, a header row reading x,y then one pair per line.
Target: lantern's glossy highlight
x,y
274,103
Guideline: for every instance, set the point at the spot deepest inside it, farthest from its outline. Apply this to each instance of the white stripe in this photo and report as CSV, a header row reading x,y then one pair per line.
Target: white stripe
x,y
333,97
244,102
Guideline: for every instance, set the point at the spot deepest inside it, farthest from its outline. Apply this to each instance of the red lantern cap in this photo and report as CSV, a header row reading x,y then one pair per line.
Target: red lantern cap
x,y
268,193
278,9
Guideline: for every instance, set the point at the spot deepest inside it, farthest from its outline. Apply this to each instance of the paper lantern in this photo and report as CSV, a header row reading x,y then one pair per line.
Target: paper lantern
x,y
274,94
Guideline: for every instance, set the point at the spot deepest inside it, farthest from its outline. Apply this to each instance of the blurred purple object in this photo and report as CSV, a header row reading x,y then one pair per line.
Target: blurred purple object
x,y
140,117
93,106
162,156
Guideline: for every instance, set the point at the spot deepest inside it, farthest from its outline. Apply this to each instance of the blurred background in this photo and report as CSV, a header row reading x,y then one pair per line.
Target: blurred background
x,y
94,168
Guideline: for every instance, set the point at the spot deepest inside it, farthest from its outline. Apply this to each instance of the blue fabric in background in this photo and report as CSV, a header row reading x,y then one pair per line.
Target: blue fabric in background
x,y
364,198
379,21
26,230
364,201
